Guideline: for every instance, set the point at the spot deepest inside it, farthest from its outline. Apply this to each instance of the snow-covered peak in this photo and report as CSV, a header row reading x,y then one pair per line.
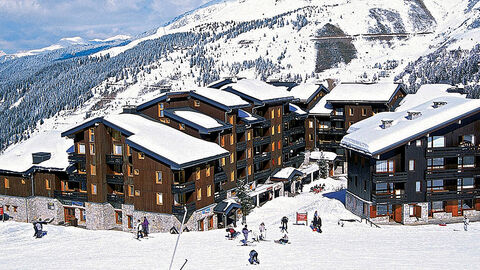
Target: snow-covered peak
x,y
114,38
72,41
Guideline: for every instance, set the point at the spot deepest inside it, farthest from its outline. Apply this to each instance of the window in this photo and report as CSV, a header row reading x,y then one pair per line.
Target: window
x,y
207,170
158,177
167,120
159,197
222,161
466,183
411,210
273,146
350,111
141,155
249,169
130,222
273,162
130,170
199,194
249,152
310,137
160,110
232,176
181,126
93,189
129,151
436,141
411,165
383,210
130,190
81,148
7,183
91,135
324,125
197,173
383,188
462,204
437,206
418,143
93,169
231,139
137,193
118,217
279,129
435,163
279,145
385,166
435,185
339,111
364,112
117,149
209,191
222,141
467,140
466,162
279,160
231,119
272,113
196,103
136,172
279,112
273,130
249,135
47,184
116,135
23,181
232,158
418,186
310,124
82,215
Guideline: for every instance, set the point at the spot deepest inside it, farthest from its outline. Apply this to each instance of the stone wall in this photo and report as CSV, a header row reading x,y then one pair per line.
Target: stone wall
x,y
407,219
381,220
471,213
100,216
46,208
17,208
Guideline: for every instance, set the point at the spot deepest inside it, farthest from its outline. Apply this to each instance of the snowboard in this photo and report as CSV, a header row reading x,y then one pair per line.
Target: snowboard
x,y
282,243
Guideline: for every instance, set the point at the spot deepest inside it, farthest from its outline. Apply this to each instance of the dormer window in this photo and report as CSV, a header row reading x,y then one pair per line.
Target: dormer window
x,y
386,123
438,104
413,115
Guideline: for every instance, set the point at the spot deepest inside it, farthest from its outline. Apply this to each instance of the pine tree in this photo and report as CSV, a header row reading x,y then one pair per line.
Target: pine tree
x,y
323,165
244,199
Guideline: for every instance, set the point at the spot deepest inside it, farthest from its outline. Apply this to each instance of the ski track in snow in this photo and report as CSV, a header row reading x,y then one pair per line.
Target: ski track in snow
x,y
354,246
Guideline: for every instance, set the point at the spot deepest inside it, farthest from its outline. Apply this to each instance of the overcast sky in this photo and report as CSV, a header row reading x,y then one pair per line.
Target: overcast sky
x,y
34,24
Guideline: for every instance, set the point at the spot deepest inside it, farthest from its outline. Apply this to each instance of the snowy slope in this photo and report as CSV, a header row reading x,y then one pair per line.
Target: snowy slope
x,y
354,246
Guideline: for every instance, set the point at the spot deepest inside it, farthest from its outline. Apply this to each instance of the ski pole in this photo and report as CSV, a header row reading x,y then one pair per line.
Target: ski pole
x,y
184,264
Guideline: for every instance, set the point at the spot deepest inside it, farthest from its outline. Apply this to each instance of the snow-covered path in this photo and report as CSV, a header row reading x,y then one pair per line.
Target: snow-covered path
x,y
354,246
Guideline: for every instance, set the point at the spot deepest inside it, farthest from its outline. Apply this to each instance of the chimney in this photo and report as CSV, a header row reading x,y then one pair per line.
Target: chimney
x,y
130,109
438,104
386,123
413,115
40,157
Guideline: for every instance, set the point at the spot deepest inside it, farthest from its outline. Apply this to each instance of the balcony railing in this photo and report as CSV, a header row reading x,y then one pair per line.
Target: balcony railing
x,y
220,177
77,177
114,179
329,144
76,158
70,195
452,173
262,157
184,187
452,195
114,160
337,118
396,177
115,199
262,174
294,131
241,164
241,146
452,151
262,141
241,128
393,198
332,131
220,196
179,210
294,146
289,117
294,160
265,124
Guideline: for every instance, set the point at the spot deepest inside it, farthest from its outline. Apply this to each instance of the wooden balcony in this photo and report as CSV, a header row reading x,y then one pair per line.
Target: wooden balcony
x,y
452,173
220,177
77,177
241,146
241,128
114,179
397,177
332,131
220,196
114,160
294,146
184,187
262,157
389,198
241,164
294,160
262,174
76,158
294,131
70,196
337,117
116,200
179,209
452,151
262,141
442,195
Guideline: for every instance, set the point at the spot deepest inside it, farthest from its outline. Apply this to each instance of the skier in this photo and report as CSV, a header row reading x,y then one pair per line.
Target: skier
x,y
262,231
284,224
139,229
39,227
319,224
231,233
245,232
35,228
253,257
145,226
284,239
466,222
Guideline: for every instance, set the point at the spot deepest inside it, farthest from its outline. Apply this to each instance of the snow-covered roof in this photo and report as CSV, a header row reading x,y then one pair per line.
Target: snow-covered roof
x,y
202,122
330,156
351,92
370,138
219,98
18,158
258,91
265,187
323,107
160,98
306,92
294,108
176,148
286,173
249,118
310,168
424,93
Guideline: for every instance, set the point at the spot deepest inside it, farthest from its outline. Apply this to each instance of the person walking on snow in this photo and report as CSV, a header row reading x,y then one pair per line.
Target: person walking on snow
x,y
315,219
253,257
245,232
145,226
139,229
466,222
319,224
262,231
284,224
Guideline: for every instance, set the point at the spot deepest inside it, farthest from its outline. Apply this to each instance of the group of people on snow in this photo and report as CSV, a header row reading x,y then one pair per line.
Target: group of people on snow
x,y
142,228
317,223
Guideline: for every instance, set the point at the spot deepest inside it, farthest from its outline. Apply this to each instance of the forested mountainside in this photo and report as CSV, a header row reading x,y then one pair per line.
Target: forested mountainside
x,y
280,39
